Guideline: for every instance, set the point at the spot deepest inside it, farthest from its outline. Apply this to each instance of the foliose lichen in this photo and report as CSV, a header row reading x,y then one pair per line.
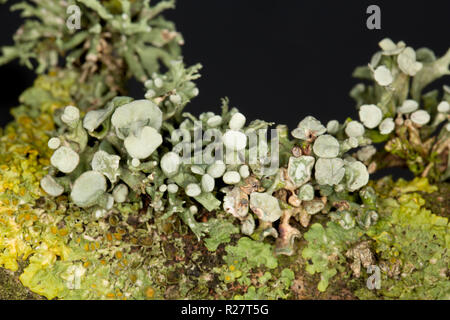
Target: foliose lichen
x,y
108,197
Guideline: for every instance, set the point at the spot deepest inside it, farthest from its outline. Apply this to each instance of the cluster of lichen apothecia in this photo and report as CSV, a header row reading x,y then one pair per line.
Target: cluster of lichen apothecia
x,y
101,202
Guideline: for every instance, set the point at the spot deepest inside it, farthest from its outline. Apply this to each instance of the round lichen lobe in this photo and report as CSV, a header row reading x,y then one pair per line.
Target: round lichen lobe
x,y
137,113
354,129
420,117
125,216
142,145
237,121
51,187
170,163
234,140
387,126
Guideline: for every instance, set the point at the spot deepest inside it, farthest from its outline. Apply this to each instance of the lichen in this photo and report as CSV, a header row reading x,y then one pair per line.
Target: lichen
x,y
102,198
412,244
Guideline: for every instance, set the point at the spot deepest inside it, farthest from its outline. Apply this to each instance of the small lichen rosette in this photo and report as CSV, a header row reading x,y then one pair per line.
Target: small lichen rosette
x,y
125,150
319,176
131,130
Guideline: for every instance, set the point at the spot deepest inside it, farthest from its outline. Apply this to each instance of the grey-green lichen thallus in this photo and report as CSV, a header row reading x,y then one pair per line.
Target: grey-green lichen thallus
x,y
104,196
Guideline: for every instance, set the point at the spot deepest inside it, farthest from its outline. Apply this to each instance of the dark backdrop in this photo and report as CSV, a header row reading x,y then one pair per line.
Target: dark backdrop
x,y
275,60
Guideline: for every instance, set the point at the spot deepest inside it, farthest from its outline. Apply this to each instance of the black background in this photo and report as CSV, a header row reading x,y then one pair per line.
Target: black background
x,y
276,60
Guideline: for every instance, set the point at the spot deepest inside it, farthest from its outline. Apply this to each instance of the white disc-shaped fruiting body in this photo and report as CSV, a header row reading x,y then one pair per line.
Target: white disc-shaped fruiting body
x,y
383,76
207,183
141,146
235,140
193,190
420,117
51,187
408,106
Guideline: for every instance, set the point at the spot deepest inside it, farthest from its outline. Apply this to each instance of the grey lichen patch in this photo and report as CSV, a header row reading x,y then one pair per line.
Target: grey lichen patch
x,y
420,117
390,48
387,126
147,238
362,257
333,126
407,120
54,143
366,153
443,107
313,206
137,114
354,129
306,192
217,169
107,164
408,106
208,183
248,225
120,193
383,76
234,140
70,116
237,121
231,177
